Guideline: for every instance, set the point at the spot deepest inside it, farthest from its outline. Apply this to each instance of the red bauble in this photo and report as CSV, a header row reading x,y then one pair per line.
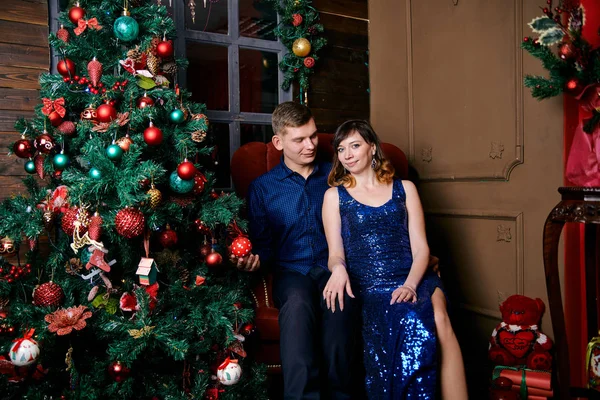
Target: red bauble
x,y
247,329
199,181
68,221
44,143
165,49
106,113
95,228
55,118
309,62
296,19
23,148
67,128
241,246
130,222
168,238
118,371
201,227
186,170
76,13
214,259
145,101
66,67
566,51
573,86
152,135
63,34
205,249
125,142
48,294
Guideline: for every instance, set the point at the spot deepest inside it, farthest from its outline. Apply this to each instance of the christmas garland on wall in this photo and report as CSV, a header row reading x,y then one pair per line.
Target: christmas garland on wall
x,y
299,30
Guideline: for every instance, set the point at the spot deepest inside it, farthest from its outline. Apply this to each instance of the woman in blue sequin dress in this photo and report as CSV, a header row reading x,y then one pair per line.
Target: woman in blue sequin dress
x,y
377,247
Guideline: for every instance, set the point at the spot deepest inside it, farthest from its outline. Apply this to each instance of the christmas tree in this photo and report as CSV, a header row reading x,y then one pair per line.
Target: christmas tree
x,y
114,281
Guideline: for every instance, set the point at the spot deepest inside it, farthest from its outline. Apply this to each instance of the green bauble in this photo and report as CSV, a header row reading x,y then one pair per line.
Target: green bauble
x,y
95,173
60,161
30,167
126,28
114,152
177,116
180,185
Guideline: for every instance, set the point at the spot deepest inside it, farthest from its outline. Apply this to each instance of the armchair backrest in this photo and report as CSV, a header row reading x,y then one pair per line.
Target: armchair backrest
x,y
255,158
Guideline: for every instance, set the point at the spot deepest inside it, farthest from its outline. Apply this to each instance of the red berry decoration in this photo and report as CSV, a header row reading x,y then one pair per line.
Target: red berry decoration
x,y
118,371
66,67
168,238
76,13
23,148
201,227
296,19
48,294
63,34
186,170
55,118
94,68
106,113
68,221
67,128
165,49
214,259
130,222
309,62
152,135
44,143
241,246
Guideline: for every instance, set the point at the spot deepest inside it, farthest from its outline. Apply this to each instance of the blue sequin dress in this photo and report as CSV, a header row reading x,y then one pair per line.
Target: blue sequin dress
x,y
399,340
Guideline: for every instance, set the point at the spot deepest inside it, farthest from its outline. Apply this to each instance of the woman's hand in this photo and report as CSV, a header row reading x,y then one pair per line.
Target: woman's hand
x,y
336,285
404,293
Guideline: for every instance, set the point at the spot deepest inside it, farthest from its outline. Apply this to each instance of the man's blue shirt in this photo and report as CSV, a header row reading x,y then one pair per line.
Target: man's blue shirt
x,y
284,211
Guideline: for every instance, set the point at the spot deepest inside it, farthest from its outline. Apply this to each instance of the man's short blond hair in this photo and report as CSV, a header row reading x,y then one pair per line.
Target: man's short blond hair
x,y
290,114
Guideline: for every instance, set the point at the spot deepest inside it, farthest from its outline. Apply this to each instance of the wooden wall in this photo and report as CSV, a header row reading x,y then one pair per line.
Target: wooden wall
x,y
24,54
339,89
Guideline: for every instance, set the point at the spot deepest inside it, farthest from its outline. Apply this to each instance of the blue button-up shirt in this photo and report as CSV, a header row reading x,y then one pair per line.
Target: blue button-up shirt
x,y
284,212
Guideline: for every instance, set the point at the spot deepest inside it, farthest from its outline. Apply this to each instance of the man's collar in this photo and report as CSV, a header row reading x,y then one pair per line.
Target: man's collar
x,y
282,171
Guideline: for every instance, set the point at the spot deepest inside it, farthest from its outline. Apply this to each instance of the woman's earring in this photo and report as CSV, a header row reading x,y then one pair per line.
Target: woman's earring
x,y
373,163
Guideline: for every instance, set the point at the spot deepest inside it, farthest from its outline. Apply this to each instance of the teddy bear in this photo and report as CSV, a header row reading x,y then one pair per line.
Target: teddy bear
x,y
517,340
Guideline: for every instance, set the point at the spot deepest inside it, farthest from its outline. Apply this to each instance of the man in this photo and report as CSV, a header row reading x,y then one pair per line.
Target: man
x,y
284,211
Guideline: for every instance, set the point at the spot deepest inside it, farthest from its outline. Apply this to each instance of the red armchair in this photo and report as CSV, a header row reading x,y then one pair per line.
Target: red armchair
x,y
249,162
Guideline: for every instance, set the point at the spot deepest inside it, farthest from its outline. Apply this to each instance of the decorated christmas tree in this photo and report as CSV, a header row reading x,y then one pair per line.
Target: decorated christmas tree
x,y
114,279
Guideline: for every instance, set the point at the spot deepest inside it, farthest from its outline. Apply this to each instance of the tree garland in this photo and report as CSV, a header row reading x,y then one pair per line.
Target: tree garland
x,y
299,31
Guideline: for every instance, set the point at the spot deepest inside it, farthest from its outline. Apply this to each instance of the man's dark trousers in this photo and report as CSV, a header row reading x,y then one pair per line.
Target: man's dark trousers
x,y
318,347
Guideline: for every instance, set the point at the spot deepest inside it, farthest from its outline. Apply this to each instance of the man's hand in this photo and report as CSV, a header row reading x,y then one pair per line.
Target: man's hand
x,y
337,283
247,263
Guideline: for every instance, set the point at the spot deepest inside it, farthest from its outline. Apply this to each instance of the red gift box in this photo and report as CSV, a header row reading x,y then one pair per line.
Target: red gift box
x,y
531,384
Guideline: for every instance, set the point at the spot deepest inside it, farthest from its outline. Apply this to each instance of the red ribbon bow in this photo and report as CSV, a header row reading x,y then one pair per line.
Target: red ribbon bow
x,y
28,335
91,23
57,105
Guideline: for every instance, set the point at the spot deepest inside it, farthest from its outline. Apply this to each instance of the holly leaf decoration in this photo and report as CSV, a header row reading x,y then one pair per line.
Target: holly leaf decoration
x,y
145,83
542,24
551,36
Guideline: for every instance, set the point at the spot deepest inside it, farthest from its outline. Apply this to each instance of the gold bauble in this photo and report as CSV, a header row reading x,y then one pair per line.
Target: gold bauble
x,y
301,47
89,114
124,143
7,245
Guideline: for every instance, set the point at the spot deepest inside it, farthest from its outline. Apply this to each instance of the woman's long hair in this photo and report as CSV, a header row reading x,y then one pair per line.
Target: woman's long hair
x,y
384,170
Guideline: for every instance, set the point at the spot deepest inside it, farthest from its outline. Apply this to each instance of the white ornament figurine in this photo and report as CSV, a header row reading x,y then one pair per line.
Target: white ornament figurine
x,y
24,351
229,372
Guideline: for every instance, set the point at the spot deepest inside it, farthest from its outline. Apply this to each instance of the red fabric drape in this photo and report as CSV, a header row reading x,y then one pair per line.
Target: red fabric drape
x,y
575,316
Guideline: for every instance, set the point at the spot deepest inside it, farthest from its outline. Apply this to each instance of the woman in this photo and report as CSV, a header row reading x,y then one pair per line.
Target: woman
x,y
376,236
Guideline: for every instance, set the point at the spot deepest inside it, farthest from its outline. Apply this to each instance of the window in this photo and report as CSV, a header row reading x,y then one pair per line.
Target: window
x,y
233,68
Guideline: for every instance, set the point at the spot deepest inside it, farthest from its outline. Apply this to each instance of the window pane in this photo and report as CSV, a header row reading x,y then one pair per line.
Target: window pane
x,y
257,19
258,81
219,133
207,75
255,133
213,18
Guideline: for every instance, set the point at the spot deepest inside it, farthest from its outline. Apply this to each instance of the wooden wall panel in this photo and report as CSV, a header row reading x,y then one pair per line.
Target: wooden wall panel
x,y
24,55
339,89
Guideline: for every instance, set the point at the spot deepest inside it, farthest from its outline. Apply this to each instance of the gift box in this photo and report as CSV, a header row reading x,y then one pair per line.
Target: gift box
x,y
531,384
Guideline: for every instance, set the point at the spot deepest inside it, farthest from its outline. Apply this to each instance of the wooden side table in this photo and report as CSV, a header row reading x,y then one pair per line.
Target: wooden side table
x,y
582,205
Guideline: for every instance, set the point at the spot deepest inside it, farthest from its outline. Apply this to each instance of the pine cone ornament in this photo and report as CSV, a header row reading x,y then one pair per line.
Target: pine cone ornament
x,y
95,227
75,214
38,161
130,222
153,63
169,68
48,219
94,68
48,294
135,54
67,128
155,197
63,34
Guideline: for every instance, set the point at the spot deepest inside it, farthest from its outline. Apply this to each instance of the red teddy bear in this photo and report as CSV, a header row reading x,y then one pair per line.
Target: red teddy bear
x,y
517,339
